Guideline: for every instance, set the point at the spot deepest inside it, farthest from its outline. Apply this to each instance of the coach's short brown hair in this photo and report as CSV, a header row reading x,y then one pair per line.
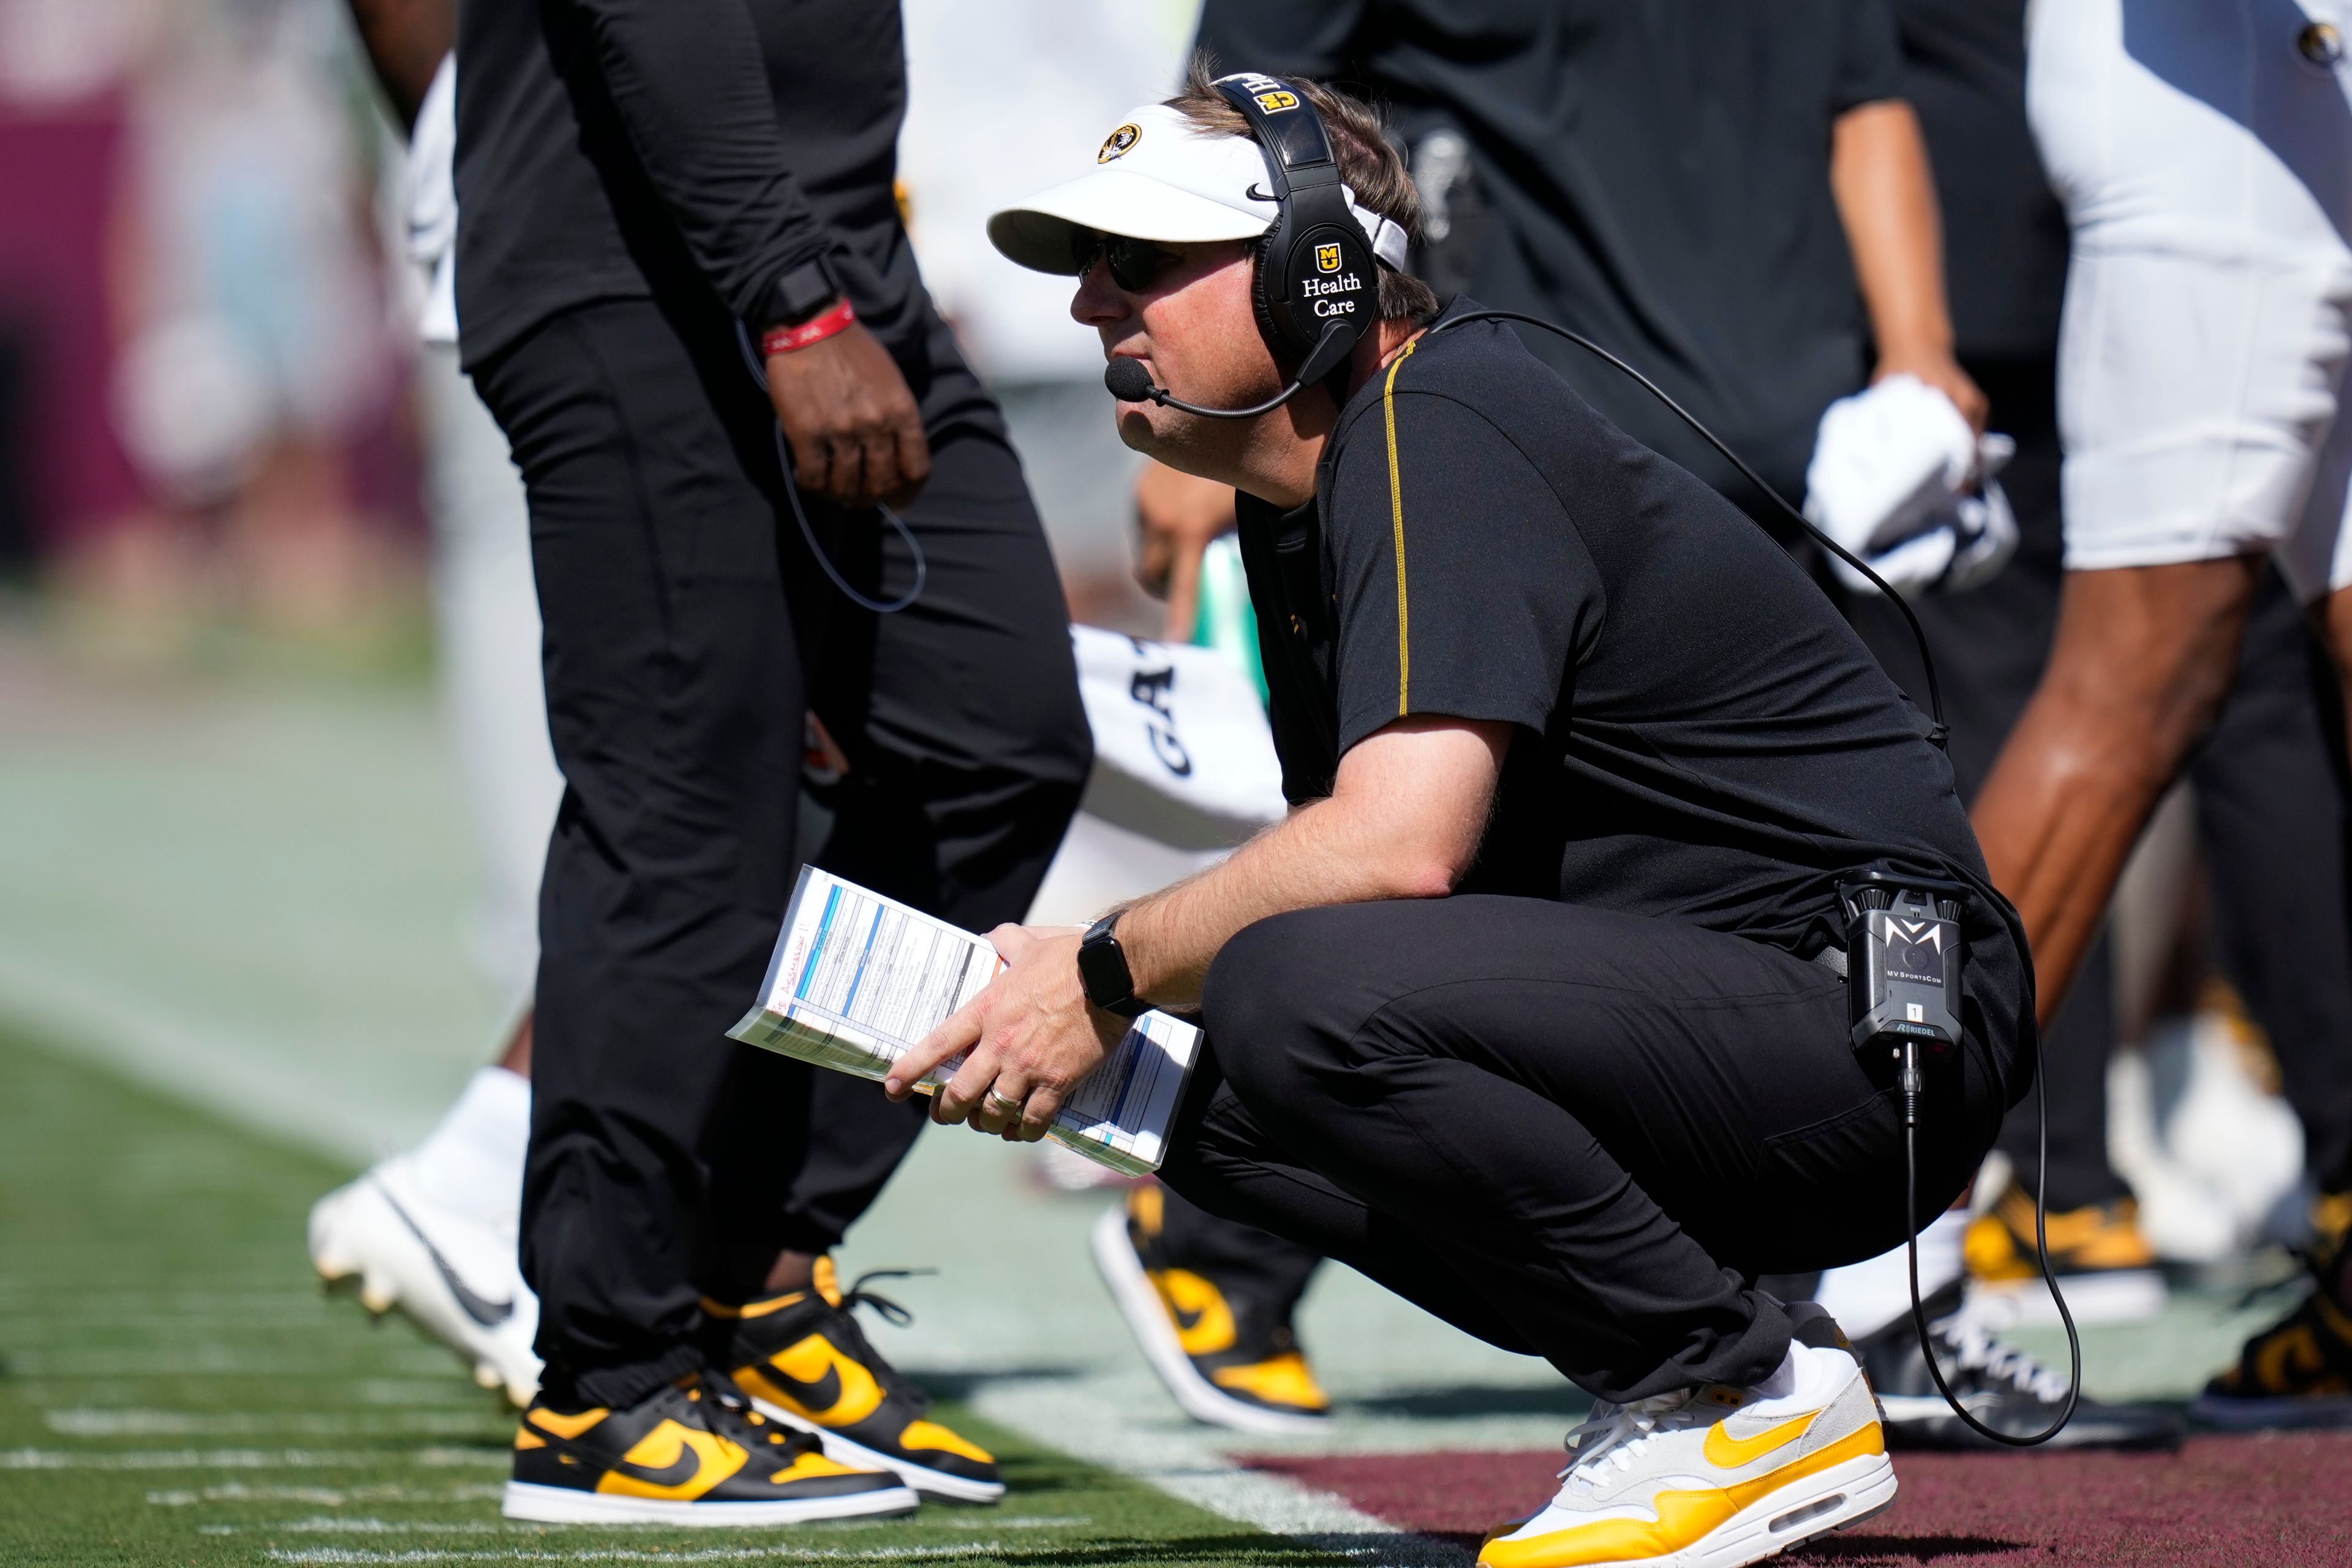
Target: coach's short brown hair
x,y
1369,165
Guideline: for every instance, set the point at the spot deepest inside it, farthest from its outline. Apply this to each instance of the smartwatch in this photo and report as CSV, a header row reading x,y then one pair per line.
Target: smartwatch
x,y
1102,971
802,292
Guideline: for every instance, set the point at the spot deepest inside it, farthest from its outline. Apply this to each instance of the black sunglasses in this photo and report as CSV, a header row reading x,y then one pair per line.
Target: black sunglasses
x,y
1134,263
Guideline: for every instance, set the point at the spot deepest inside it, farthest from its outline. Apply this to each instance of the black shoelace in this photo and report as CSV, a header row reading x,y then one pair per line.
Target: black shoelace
x,y
730,1415
852,1337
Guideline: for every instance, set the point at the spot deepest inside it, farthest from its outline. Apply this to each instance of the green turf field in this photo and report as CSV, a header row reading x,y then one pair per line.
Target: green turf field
x,y
174,1390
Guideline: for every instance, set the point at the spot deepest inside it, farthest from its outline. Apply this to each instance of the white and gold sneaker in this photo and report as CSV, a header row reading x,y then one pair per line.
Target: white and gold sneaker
x,y
1713,1478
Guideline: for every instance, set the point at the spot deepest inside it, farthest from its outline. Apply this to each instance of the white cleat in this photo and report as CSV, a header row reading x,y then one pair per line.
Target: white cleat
x,y
454,1275
1717,1478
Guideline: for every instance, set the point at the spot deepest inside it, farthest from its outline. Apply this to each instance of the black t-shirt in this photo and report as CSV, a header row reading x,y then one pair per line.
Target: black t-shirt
x,y
1654,174
2004,232
1700,737
688,149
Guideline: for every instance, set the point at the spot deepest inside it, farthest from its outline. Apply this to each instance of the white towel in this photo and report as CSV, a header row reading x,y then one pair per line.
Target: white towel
x,y
1898,479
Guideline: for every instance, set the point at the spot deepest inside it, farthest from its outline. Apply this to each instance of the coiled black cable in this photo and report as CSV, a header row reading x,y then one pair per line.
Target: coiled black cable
x,y
793,493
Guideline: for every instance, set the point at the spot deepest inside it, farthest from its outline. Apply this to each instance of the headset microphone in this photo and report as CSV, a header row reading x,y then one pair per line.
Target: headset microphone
x,y
1127,380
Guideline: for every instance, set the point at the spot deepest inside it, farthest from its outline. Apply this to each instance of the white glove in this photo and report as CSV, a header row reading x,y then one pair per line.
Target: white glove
x,y
1890,481
1986,537
1886,463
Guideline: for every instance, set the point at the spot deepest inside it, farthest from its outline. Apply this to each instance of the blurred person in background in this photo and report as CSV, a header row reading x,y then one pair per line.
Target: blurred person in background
x,y
2005,247
761,482
2204,155
65,81
433,1230
258,357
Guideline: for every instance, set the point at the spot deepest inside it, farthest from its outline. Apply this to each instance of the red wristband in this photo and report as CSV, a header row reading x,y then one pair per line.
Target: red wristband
x,y
815,330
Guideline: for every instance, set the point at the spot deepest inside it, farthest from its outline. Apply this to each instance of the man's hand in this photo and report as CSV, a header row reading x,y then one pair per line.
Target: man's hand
x,y
1031,1035
1178,515
857,435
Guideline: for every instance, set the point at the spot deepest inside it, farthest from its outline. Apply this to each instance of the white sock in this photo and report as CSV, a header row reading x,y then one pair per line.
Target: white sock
x,y
1783,1381
473,1161
1867,1296
1807,1377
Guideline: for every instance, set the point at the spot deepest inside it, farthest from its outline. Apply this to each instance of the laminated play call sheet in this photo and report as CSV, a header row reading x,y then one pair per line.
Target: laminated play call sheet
x,y
857,979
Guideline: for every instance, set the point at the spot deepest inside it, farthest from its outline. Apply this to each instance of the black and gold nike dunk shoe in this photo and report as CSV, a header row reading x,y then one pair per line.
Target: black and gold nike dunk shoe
x,y
691,1453
1229,1359
803,1361
2297,1372
2104,1263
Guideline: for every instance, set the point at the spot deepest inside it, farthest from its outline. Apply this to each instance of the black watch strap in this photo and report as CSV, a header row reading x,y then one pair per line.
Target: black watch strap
x,y
802,292
1103,971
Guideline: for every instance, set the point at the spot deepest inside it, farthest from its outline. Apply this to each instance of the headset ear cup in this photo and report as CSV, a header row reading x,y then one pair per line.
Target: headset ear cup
x,y
1265,278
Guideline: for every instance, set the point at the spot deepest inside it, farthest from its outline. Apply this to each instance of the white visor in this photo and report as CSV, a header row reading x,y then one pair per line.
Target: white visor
x,y
1158,176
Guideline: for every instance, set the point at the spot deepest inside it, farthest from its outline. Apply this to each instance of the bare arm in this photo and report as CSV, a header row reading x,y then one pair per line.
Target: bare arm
x,y
1178,516
404,41
1887,199
1404,820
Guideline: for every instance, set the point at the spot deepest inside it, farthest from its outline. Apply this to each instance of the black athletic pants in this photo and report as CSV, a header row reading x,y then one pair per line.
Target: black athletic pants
x,y
689,630
1573,1134
1242,1258
2271,813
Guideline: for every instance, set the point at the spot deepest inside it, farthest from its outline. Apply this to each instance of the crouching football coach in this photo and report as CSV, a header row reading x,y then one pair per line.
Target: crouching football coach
x,y
1521,1011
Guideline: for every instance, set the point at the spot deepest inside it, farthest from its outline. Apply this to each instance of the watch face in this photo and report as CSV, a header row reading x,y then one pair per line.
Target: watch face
x,y
1102,970
803,291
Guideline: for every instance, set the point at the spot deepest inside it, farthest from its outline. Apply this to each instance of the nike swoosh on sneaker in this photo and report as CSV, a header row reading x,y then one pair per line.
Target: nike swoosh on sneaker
x,y
818,1397
489,1314
1729,1452
676,1473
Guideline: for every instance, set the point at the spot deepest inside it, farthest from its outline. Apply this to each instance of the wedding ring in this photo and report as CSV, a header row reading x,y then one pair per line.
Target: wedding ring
x,y
1001,1104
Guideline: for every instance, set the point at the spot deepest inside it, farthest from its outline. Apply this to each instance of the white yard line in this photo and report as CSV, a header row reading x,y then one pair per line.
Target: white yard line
x,y
329,1525
326,1497
83,1422
240,1458
1114,1420
344,1554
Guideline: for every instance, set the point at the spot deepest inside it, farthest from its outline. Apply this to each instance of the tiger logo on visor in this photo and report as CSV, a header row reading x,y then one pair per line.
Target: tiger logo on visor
x,y
1119,142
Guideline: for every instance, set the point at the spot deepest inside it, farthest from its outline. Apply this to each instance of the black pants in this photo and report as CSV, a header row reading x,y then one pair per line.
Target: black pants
x,y
1573,1134
688,633
2270,810
1243,1258
2270,816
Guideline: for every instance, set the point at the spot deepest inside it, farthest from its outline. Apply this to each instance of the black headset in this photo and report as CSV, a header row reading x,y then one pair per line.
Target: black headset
x,y
1317,283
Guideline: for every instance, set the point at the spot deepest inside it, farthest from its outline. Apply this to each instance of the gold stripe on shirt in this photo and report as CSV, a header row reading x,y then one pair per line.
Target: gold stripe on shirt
x,y
1396,509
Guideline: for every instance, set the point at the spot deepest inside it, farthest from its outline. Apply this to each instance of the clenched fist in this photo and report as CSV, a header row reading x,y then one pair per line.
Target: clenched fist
x,y
855,433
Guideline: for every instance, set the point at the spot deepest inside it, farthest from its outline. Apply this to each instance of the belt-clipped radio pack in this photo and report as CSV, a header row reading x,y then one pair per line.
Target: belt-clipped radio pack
x,y
1902,957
